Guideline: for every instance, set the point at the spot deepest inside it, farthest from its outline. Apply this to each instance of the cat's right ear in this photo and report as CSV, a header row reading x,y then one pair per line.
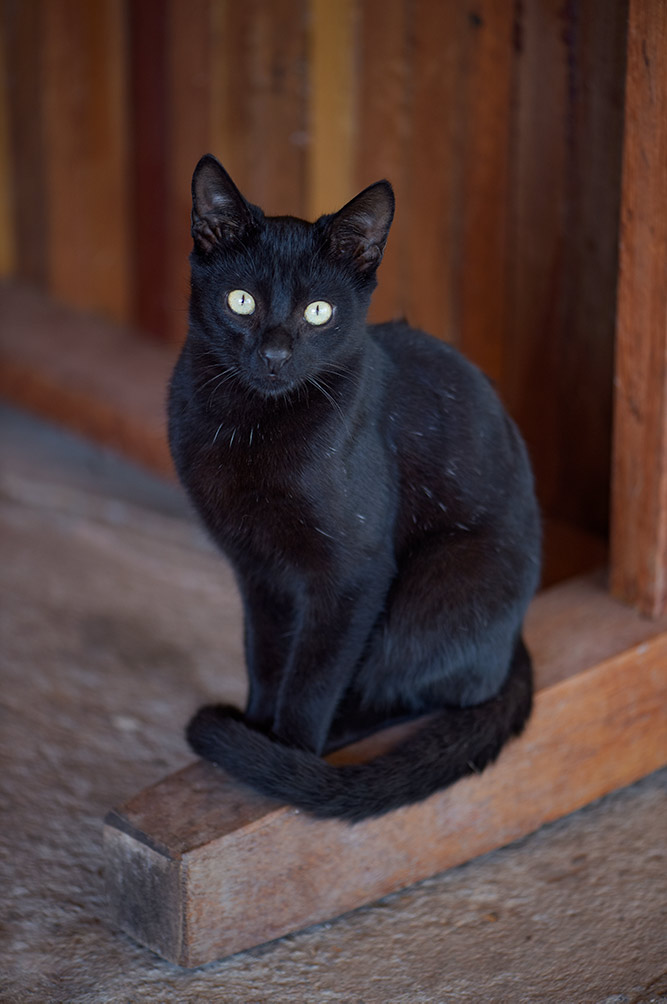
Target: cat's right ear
x,y
219,211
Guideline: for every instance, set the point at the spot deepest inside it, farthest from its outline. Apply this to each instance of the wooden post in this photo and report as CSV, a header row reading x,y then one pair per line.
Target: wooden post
x,y
199,867
639,495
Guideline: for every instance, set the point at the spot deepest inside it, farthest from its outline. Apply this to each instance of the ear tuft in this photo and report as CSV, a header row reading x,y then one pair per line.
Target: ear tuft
x,y
360,229
219,211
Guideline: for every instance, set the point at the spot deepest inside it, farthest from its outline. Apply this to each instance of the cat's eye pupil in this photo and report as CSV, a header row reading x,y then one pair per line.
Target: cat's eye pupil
x,y
241,302
318,312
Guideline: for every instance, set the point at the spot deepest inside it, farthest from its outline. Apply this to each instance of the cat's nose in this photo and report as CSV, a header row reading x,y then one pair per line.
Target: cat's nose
x,y
275,356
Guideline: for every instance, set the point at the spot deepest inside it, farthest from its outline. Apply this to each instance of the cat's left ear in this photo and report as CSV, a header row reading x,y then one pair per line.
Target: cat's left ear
x,y
219,211
360,229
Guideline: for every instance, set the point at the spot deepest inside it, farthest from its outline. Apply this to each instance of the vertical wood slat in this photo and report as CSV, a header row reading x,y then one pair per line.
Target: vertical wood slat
x,y
149,152
85,130
258,100
482,241
275,134
188,124
23,31
383,132
332,65
563,233
432,169
639,523
7,249
595,39
536,251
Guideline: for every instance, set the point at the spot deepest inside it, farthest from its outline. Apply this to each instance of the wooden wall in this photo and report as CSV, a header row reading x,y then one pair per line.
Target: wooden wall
x,y
498,122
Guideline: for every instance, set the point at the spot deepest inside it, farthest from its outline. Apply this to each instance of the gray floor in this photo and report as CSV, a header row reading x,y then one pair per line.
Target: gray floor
x,y
118,619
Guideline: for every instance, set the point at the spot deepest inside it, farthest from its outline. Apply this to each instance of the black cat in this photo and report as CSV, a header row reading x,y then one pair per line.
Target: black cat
x,y
374,498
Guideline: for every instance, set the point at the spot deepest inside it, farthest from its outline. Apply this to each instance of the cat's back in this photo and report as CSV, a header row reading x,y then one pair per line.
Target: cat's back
x,y
431,377
448,426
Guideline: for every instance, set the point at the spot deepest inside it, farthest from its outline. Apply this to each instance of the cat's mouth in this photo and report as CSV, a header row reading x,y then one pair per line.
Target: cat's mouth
x,y
273,384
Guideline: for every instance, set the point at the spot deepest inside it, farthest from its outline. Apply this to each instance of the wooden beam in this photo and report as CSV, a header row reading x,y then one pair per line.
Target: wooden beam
x,y
639,496
198,867
93,376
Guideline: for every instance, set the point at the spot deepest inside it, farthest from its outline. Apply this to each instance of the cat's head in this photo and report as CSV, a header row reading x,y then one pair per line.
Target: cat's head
x,y
276,299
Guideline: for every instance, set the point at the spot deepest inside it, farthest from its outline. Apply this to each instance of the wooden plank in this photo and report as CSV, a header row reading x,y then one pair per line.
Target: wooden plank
x,y
73,368
199,867
23,63
383,131
433,169
595,39
7,237
188,125
85,147
332,92
149,149
562,251
639,528
481,252
276,133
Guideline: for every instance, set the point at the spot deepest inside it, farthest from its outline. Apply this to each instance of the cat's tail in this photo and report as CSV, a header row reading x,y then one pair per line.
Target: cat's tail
x,y
453,743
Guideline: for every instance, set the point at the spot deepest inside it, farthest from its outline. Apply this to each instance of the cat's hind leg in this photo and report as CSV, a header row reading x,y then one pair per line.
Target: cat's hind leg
x,y
451,625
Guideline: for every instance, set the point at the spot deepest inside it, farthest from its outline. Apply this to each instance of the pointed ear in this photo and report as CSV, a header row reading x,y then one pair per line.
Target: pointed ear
x,y
360,229
219,211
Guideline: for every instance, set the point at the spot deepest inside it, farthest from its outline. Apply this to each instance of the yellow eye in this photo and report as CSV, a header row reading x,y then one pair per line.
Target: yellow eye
x,y
318,312
241,302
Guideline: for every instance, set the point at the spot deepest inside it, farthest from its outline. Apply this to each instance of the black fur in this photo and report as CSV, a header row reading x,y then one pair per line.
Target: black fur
x,y
376,503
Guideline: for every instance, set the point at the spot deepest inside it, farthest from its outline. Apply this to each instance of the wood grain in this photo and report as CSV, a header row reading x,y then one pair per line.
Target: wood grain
x,y
199,867
85,145
488,62
23,38
639,530
149,154
188,130
433,166
331,59
565,171
383,129
7,237
73,368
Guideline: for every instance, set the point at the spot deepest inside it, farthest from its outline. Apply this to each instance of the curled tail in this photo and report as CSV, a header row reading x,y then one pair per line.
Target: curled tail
x,y
456,742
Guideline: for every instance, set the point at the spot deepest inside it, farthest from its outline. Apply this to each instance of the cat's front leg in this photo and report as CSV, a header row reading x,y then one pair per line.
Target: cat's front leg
x,y
268,628
327,650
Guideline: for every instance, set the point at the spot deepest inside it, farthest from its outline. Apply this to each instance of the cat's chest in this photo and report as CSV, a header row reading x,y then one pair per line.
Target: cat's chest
x,y
295,502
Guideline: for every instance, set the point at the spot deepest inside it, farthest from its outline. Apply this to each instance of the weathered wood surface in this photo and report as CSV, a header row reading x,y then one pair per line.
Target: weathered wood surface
x,y
639,490
96,377
199,867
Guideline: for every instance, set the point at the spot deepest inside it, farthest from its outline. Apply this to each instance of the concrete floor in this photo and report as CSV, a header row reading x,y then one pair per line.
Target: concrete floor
x,y
118,619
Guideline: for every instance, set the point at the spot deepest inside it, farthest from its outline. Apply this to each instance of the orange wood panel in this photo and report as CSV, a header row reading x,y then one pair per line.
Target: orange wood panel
x,y
639,531
188,131
7,236
562,247
536,248
259,100
480,250
149,153
383,131
85,129
433,166
277,131
22,57
332,90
